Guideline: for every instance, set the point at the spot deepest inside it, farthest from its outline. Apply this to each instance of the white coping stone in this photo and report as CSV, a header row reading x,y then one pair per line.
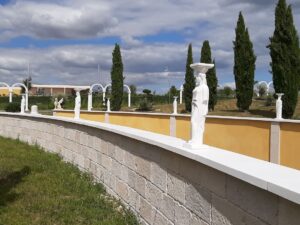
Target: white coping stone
x,y
280,180
188,115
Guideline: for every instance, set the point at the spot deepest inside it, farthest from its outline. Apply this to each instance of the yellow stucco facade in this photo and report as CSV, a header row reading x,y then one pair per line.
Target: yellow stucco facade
x,y
290,145
228,133
4,91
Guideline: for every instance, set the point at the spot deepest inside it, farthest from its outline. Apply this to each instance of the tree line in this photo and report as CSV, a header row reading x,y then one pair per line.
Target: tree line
x,y
285,63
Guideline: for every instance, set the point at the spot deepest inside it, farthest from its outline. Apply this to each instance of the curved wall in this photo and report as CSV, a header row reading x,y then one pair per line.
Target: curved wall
x,y
162,182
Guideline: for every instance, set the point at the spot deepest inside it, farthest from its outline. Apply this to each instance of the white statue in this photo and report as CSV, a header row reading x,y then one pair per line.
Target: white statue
x,y
175,105
108,105
23,102
199,105
279,106
55,103
59,104
77,106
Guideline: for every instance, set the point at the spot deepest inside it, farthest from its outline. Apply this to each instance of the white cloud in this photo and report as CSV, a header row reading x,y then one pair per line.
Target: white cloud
x,y
130,21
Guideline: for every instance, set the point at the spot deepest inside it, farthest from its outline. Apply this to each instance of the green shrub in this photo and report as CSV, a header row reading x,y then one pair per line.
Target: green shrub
x,y
13,107
145,105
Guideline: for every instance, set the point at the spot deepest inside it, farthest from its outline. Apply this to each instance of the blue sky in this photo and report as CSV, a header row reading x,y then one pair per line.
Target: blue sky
x,y
64,41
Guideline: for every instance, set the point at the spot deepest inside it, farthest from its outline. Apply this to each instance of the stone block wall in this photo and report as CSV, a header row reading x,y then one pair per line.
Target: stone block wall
x,y
161,187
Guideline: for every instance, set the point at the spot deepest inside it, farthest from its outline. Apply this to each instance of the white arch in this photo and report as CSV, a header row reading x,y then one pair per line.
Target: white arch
x,y
26,93
104,93
129,94
267,85
90,95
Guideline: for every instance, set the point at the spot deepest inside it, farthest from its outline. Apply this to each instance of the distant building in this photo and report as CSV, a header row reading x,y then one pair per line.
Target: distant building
x,y
5,92
52,90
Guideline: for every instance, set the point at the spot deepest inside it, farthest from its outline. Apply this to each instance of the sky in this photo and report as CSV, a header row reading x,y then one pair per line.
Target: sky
x,y
64,41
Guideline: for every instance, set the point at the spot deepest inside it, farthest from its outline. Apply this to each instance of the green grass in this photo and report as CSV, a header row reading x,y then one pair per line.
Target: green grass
x,y
38,188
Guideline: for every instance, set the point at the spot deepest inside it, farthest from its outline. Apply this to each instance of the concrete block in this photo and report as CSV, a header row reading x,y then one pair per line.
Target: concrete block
x,y
133,198
143,167
111,150
197,221
104,147
170,161
107,162
160,219
258,202
130,161
140,185
83,139
182,215
146,211
158,176
131,178
167,207
122,190
289,213
226,213
119,154
153,195
176,187
97,144
198,201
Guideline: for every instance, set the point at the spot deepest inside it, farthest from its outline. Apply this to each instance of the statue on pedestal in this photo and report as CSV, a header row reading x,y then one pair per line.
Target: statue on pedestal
x,y
199,106
279,106
108,105
77,106
175,105
59,104
55,103
23,102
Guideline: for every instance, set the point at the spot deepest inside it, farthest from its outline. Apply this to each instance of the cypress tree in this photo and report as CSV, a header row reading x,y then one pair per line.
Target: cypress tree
x,y
285,55
244,65
189,84
116,79
212,81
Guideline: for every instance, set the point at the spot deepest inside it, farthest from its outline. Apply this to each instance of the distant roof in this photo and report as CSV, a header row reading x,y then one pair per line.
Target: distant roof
x,y
59,86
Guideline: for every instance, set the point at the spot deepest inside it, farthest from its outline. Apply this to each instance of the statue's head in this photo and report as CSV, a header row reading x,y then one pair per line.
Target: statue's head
x,y
198,80
55,99
77,93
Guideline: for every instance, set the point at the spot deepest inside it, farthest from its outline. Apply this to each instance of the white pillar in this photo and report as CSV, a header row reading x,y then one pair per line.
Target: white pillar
x,y
175,105
180,94
108,106
51,90
90,101
26,103
10,94
103,99
129,100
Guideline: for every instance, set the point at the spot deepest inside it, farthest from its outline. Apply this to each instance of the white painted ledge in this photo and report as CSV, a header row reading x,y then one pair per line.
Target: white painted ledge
x,y
280,180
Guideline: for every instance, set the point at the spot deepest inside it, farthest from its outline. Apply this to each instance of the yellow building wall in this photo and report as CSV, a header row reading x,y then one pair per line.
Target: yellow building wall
x,y
98,117
5,92
154,123
64,114
290,145
248,137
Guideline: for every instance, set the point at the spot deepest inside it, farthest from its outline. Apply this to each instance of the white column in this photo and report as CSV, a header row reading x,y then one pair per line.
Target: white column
x,y
10,94
129,100
175,105
90,101
103,99
64,91
26,103
180,94
51,90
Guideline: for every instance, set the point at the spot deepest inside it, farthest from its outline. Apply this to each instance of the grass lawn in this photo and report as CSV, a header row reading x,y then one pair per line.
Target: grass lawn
x,y
38,188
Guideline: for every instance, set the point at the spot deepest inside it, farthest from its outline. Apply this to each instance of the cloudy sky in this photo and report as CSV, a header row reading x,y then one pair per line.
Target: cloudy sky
x,y
65,40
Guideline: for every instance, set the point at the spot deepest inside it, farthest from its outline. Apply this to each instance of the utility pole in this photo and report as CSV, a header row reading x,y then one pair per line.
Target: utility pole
x,y
167,74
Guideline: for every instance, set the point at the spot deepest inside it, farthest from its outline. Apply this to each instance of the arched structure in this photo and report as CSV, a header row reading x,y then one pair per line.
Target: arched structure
x,y
267,85
9,90
26,93
90,95
129,94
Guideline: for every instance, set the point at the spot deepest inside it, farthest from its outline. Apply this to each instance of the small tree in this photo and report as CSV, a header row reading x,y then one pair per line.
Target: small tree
x,y
211,77
28,83
116,79
244,65
189,84
262,90
285,55
227,91
173,91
